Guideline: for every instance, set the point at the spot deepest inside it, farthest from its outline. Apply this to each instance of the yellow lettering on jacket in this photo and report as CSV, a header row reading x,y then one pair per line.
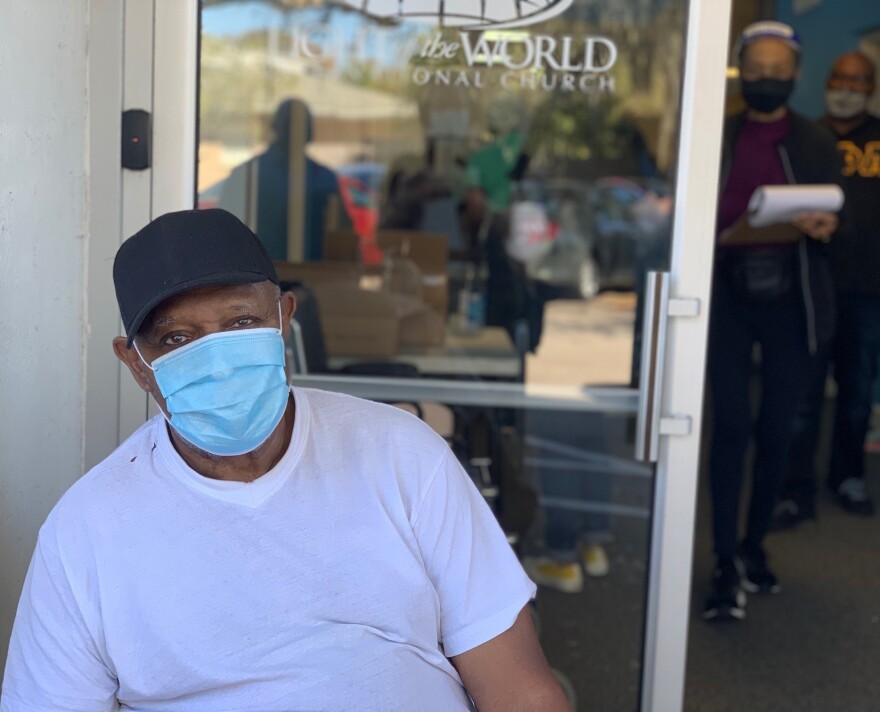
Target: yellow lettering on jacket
x,y
864,162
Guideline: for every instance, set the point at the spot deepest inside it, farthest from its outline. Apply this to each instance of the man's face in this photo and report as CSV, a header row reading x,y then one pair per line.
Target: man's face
x,y
768,58
192,315
854,73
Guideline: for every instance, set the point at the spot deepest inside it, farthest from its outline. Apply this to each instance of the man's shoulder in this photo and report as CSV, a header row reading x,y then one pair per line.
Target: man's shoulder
x,y
338,413
870,130
109,483
131,454
350,407
806,131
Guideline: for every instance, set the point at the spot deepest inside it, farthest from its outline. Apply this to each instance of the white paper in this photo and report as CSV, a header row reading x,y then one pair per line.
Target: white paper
x,y
772,204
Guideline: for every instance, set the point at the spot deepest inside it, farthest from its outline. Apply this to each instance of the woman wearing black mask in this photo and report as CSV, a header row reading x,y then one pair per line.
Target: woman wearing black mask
x,y
778,296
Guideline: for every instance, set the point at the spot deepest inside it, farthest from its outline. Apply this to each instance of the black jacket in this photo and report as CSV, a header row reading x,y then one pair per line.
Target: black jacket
x,y
855,251
809,155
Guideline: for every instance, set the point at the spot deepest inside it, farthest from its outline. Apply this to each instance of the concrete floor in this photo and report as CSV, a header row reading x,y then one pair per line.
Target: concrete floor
x,y
814,646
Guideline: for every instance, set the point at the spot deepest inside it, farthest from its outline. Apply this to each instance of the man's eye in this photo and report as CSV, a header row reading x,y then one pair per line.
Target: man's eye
x,y
245,321
175,340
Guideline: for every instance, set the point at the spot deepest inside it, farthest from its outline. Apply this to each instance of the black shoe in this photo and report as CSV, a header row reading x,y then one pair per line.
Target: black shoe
x,y
756,575
788,514
727,600
853,498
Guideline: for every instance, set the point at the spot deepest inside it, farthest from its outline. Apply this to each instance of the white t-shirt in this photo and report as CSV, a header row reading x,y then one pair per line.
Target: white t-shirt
x,y
339,580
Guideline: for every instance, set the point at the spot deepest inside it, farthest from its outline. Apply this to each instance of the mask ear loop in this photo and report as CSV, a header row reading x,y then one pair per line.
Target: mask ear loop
x,y
149,388
141,356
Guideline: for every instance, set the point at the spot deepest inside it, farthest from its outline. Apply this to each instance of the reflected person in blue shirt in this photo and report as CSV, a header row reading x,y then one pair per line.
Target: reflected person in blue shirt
x,y
273,169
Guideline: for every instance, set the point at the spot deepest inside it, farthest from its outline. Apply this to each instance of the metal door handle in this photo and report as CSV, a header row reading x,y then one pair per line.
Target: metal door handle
x,y
652,365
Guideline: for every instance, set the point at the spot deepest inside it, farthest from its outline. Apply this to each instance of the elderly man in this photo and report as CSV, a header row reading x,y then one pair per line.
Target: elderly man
x,y
776,295
257,547
854,353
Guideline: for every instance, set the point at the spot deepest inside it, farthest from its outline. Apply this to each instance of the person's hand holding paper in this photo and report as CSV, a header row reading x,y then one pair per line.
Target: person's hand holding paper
x,y
810,208
779,214
818,225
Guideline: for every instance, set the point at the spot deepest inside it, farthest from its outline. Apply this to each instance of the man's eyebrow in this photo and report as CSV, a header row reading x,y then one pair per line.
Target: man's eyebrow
x,y
242,307
163,321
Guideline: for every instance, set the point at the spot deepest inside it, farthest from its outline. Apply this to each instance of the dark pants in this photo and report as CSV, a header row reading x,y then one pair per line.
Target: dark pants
x,y
574,459
853,358
737,324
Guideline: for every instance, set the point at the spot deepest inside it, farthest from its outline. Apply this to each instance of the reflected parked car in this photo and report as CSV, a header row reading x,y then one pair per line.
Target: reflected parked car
x,y
600,232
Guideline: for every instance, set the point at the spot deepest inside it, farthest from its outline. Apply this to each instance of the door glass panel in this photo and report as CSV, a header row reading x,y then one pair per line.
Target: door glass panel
x,y
466,198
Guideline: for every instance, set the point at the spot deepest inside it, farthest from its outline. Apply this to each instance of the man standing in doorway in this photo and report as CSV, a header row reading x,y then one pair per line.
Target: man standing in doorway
x,y
775,295
854,353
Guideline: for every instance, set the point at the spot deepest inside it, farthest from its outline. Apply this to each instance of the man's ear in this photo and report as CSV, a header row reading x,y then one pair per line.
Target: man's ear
x,y
130,358
288,309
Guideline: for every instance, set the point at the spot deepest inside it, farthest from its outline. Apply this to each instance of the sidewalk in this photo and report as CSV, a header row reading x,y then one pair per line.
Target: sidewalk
x,y
813,647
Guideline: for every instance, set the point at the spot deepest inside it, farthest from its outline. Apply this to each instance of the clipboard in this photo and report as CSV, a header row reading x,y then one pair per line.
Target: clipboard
x,y
741,233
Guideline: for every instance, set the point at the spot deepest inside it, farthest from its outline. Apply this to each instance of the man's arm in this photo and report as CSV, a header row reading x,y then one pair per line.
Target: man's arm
x,y
510,674
54,662
485,627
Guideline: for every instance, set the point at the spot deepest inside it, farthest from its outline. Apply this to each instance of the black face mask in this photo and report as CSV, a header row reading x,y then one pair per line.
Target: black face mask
x,y
767,95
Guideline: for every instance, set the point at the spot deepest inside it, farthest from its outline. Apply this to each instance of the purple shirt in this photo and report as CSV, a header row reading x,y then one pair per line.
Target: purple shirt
x,y
756,162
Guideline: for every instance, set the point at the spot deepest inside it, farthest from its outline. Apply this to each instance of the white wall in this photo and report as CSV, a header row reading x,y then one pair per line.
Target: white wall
x,y
43,251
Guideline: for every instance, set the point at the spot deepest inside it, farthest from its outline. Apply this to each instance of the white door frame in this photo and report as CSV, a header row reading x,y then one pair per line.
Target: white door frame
x,y
132,30
693,245
172,100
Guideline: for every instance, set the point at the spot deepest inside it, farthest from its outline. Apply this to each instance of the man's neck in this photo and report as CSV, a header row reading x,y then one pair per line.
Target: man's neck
x,y
843,126
240,468
763,118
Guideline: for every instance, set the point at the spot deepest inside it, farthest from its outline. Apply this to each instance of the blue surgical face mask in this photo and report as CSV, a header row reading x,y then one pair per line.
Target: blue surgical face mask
x,y
226,392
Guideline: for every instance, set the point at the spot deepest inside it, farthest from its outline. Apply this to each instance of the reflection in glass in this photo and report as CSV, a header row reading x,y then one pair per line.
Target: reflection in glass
x,y
462,13
282,207
472,192
329,123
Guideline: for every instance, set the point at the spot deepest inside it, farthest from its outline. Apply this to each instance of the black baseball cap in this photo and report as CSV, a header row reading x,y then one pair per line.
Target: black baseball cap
x,y
181,251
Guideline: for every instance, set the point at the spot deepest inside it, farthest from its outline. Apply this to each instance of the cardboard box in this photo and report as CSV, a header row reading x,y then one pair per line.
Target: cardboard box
x,y
370,323
427,249
312,273
358,322
430,252
374,336
342,246
424,328
435,292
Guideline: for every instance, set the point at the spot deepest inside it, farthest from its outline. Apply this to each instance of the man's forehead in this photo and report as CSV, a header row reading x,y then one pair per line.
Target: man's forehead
x,y
221,296
769,48
854,64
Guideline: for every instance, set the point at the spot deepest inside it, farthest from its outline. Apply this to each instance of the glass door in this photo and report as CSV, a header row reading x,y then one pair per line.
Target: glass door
x,y
499,216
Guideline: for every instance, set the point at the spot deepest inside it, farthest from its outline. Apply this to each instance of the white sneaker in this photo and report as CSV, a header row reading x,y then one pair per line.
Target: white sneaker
x,y
853,497
595,560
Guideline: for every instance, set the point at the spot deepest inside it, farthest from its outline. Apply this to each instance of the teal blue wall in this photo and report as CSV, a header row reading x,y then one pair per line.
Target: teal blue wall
x,y
827,32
